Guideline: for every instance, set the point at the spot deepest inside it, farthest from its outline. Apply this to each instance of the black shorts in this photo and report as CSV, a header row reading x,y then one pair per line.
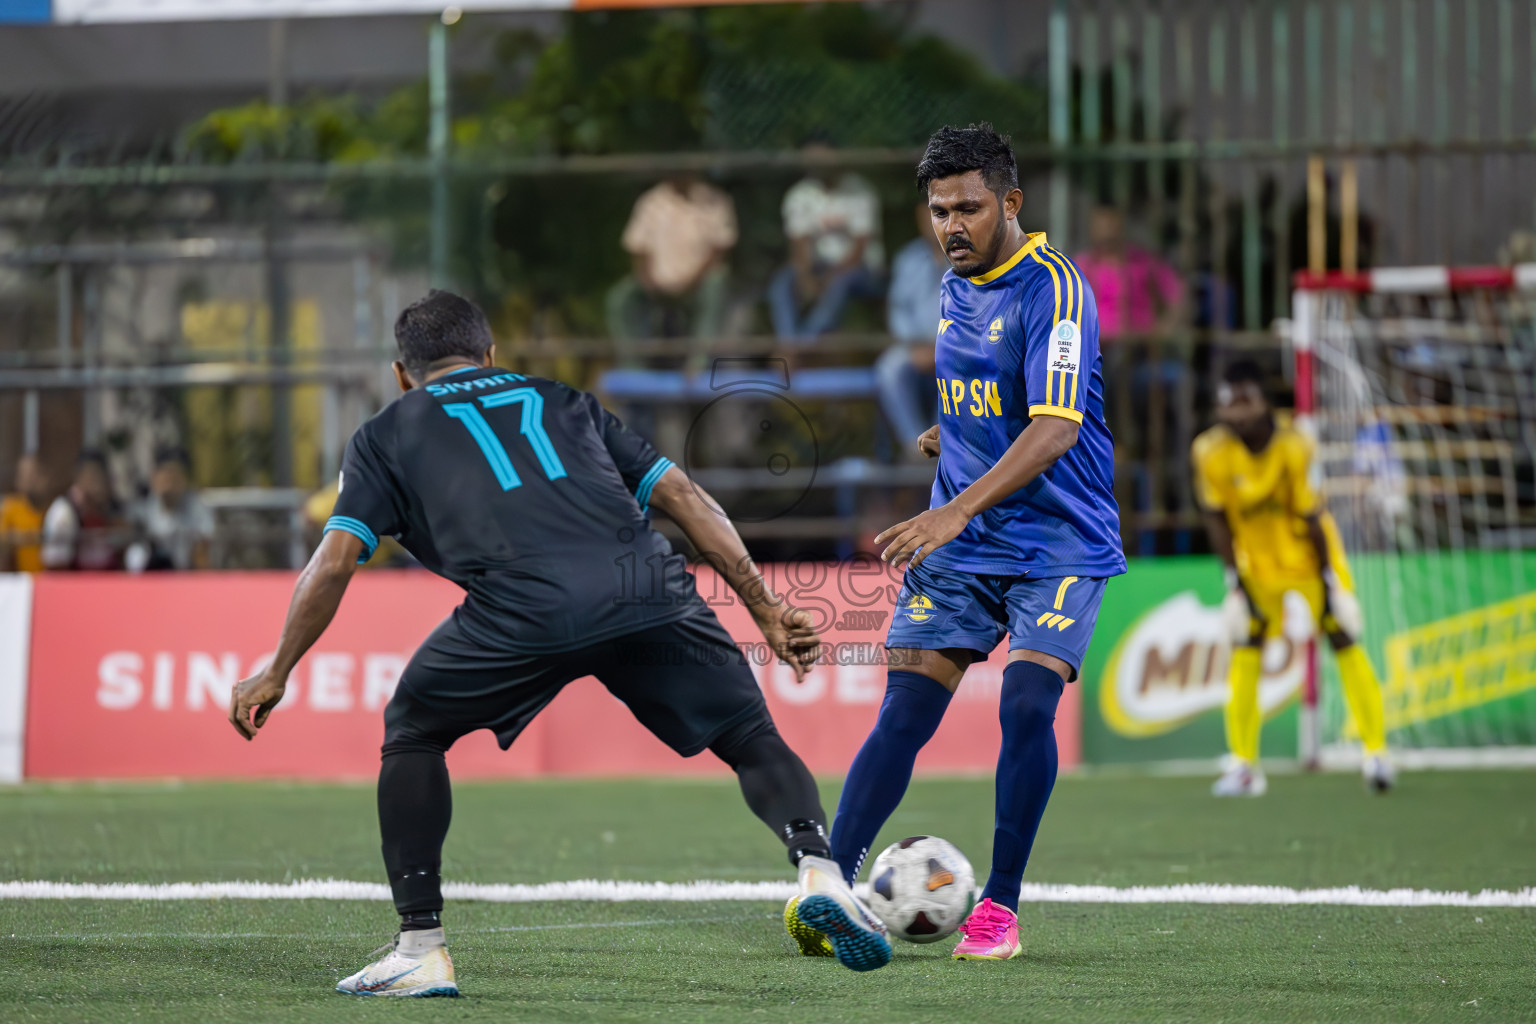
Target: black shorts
x,y
685,681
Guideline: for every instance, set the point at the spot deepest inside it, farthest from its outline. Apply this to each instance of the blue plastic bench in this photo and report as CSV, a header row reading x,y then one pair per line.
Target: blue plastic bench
x,y
831,382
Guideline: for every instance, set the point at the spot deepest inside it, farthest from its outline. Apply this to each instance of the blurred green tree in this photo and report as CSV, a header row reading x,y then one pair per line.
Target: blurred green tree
x,y
726,78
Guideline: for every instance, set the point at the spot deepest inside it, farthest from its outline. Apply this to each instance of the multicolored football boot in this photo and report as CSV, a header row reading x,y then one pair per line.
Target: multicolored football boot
x,y
810,941
990,933
828,906
428,974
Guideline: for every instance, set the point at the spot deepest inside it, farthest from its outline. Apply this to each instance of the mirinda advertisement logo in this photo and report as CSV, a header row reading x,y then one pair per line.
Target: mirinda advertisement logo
x,y
1170,666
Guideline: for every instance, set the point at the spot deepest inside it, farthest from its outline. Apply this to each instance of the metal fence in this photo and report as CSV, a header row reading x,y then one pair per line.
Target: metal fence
x,y
244,309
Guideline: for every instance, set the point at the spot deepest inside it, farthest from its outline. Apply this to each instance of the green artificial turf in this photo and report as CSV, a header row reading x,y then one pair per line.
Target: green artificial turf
x,y
259,961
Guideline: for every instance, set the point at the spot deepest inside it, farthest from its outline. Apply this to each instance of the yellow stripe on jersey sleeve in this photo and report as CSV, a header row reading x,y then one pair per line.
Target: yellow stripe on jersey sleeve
x,y
1050,375
1055,410
1074,288
1069,269
1055,281
1066,390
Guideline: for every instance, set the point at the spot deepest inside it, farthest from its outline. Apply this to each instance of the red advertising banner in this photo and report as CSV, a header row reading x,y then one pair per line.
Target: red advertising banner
x,y
130,678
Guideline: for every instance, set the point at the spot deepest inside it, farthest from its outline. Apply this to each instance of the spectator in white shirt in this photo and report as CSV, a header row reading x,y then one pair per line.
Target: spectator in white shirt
x,y
678,238
173,522
832,223
82,529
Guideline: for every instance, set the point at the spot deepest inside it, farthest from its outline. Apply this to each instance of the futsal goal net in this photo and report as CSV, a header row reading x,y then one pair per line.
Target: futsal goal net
x,y
1419,386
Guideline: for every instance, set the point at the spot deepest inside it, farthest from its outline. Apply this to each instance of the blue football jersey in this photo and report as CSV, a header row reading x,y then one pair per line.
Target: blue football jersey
x,y
1022,341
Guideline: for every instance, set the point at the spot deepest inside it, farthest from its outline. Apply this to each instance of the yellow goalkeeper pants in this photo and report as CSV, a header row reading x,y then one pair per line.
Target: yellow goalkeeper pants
x,y
1362,694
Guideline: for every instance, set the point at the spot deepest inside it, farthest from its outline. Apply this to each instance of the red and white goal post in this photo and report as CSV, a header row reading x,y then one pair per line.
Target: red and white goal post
x,y
1418,385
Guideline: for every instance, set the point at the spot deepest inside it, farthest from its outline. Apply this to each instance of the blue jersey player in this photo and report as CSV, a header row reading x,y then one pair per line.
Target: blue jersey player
x,y
1022,532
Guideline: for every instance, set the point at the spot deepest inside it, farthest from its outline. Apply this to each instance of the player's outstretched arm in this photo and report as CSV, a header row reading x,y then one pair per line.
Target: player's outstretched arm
x,y
315,599
1035,450
787,629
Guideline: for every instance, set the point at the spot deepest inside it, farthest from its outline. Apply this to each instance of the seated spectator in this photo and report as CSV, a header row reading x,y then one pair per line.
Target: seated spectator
x,y
1137,292
21,518
678,237
173,522
904,372
833,226
83,528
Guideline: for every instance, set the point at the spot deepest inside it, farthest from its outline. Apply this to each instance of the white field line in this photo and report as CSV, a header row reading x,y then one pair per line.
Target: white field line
x,y
591,890
665,922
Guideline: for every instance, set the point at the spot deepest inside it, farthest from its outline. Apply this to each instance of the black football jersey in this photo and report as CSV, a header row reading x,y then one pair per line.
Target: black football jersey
x,y
529,495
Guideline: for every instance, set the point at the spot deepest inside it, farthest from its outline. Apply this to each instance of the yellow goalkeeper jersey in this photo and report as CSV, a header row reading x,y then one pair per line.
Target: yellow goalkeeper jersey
x,y
1266,497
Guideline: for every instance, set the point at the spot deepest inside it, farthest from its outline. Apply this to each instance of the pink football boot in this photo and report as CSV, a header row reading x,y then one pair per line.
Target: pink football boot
x,y
991,933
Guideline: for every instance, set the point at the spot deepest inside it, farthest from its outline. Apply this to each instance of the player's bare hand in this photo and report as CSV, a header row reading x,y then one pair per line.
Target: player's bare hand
x,y
928,443
260,693
911,542
790,635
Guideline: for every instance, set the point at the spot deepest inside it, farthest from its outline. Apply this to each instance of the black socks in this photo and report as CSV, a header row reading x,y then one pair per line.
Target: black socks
x,y
415,806
777,786
806,838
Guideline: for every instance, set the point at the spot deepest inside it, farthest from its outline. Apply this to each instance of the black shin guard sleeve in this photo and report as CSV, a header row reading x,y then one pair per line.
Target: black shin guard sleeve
x,y
415,806
777,785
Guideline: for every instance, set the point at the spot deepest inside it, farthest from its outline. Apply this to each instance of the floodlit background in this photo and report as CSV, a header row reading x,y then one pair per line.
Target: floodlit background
x,y
211,212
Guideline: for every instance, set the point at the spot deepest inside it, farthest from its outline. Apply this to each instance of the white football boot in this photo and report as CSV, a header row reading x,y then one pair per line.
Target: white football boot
x,y
417,964
1240,779
1379,772
827,904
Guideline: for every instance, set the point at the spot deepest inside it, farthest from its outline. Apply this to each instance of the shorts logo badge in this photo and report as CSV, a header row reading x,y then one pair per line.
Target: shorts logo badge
x,y
1054,620
919,609
995,332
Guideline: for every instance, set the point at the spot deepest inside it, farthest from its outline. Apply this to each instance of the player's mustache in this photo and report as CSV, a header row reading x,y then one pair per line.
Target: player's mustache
x,y
957,245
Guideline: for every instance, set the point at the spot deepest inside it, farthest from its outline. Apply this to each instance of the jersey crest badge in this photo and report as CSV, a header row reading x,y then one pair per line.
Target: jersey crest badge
x,y
920,608
995,332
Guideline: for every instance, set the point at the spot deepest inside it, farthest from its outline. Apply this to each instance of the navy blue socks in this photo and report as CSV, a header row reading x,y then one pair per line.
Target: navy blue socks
x,y
1026,772
913,707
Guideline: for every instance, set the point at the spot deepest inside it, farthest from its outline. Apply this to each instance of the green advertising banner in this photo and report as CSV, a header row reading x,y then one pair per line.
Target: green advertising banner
x,y
1452,635
1155,679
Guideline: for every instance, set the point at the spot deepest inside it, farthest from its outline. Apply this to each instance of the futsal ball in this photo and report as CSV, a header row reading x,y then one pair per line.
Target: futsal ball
x,y
922,888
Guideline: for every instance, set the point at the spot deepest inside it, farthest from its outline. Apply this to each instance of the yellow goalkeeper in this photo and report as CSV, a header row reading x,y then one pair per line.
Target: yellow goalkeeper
x,y
1268,526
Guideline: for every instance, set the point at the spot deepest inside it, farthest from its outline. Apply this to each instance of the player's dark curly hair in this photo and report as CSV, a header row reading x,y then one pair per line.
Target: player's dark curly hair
x,y
440,326
1245,371
977,147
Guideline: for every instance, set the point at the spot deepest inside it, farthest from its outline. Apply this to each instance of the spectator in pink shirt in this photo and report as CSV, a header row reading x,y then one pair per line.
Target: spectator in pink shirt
x,y
1136,292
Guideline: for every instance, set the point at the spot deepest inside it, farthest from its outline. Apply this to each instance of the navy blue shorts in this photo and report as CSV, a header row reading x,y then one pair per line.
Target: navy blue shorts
x,y
941,608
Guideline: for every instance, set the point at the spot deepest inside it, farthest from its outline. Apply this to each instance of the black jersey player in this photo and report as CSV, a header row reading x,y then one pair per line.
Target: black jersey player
x,y
532,497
